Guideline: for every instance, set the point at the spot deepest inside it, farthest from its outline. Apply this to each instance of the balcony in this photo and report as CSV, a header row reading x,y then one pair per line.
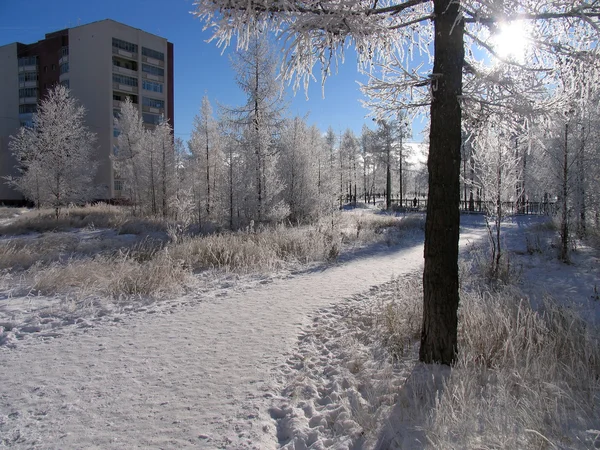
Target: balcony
x,y
63,77
150,109
156,62
124,71
30,68
28,100
28,84
125,87
125,53
152,77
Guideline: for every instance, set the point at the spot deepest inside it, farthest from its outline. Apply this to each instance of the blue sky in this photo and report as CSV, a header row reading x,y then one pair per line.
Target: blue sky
x,y
200,67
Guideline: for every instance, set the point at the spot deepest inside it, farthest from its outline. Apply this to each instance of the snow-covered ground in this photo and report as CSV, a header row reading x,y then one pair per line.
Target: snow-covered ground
x,y
197,371
207,370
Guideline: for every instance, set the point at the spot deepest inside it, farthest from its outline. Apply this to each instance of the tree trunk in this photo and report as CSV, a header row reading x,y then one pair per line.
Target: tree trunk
x,y
564,226
401,170
207,175
388,170
230,189
440,275
164,181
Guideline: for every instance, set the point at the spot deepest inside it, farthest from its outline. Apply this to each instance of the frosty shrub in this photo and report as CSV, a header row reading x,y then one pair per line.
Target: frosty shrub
x,y
39,221
247,251
114,276
524,379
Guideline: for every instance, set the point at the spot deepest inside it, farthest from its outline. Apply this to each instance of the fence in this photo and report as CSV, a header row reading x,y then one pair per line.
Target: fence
x,y
473,206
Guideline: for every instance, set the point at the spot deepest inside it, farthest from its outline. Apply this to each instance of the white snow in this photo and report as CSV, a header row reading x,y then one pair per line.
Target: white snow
x,y
206,370
198,371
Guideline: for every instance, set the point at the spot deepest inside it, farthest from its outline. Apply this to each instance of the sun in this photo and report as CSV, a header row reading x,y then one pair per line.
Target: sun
x,y
511,41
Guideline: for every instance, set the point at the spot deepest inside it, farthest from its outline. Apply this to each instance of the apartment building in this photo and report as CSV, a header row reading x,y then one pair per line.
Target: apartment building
x,y
102,63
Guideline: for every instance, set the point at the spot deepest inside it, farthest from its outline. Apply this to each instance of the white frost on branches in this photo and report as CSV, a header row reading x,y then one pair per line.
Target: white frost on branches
x,y
56,155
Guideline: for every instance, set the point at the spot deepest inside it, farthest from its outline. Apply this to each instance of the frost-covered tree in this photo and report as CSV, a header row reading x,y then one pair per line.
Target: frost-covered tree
x,y
257,123
387,32
207,163
162,138
56,155
349,154
299,169
130,145
495,164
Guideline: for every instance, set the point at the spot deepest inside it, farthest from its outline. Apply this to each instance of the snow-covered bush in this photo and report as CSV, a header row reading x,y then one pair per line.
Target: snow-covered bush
x,y
524,379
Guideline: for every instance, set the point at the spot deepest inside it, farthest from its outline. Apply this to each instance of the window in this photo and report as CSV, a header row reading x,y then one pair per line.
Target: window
x,y
118,185
131,65
124,79
151,119
123,97
28,92
153,103
116,132
153,54
28,76
27,109
64,51
124,45
26,123
64,68
66,83
53,67
153,70
151,86
28,61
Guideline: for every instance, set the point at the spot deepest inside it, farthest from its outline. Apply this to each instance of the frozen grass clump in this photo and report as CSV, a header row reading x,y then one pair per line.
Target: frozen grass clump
x,y
523,379
247,251
40,221
122,275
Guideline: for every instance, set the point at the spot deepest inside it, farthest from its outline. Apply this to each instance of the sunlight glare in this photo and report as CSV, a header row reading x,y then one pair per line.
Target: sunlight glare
x,y
511,41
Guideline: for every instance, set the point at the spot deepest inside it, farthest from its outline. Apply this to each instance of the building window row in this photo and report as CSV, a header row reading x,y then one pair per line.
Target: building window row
x,y
123,97
64,68
124,45
153,70
152,86
151,119
28,61
28,92
124,79
28,76
131,65
152,102
27,109
148,52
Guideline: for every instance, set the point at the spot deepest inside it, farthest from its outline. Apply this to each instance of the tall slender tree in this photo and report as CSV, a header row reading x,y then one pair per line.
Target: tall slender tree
x,y
56,155
383,31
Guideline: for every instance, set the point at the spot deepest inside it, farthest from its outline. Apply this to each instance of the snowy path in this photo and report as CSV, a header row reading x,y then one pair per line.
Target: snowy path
x,y
197,374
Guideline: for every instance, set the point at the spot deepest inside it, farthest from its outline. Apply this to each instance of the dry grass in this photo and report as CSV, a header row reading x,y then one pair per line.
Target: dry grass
x,y
116,276
40,221
247,251
61,262
524,379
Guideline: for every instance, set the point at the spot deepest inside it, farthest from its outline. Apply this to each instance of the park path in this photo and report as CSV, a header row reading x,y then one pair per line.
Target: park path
x,y
198,373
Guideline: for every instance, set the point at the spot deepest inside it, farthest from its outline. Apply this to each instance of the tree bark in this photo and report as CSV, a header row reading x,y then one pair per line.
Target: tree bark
x,y
564,226
440,275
